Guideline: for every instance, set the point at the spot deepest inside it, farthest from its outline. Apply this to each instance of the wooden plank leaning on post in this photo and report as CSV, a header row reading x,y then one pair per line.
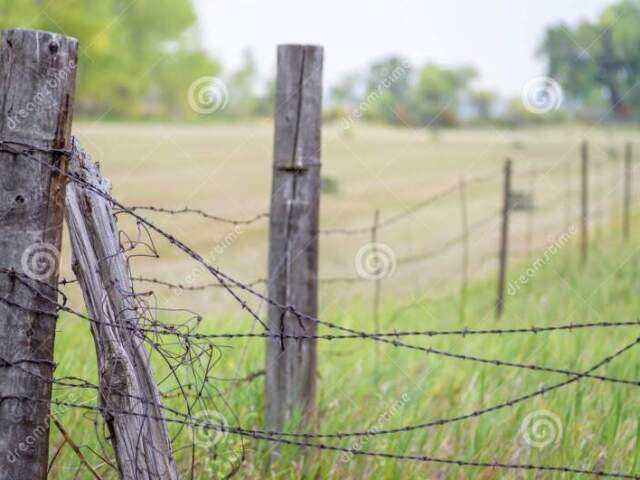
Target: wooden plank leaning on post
x,y
293,234
37,86
626,225
504,239
141,445
584,202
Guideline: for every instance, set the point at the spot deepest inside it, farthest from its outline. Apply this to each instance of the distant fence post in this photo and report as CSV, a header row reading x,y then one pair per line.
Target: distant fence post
x,y
377,273
504,239
293,234
584,202
531,212
626,227
37,86
377,281
465,250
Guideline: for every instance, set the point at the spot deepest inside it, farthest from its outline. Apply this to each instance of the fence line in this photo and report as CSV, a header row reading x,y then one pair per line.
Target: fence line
x,y
229,282
292,296
202,213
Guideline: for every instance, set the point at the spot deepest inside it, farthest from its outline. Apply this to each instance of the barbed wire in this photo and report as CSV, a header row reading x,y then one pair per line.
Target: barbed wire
x,y
223,278
159,328
202,213
257,435
156,328
429,201
450,243
277,436
182,286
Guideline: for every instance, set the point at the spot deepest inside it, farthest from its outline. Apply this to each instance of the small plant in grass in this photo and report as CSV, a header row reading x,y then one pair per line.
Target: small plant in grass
x,y
330,185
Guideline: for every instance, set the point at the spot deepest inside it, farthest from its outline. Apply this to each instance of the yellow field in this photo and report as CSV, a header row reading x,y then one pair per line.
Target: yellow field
x,y
225,170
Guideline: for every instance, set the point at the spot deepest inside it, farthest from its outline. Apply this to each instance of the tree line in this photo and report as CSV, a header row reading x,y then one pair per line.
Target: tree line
x,y
139,59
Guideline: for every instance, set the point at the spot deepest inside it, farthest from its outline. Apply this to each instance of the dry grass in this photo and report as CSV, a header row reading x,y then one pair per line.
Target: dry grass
x,y
226,171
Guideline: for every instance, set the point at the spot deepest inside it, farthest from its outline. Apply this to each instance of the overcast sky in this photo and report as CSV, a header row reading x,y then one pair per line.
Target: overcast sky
x,y
499,37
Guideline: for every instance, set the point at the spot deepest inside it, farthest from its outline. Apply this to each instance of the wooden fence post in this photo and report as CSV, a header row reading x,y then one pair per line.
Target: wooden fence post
x,y
293,234
531,212
377,273
37,85
584,202
464,218
628,155
377,280
504,238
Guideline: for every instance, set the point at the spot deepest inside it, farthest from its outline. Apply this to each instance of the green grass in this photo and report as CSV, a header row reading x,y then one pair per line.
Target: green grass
x,y
363,385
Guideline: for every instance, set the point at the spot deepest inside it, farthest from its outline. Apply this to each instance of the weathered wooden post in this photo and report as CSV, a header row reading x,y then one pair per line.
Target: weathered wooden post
x,y
142,446
584,202
465,250
504,238
37,85
626,227
293,234
568,211
378,273
531,212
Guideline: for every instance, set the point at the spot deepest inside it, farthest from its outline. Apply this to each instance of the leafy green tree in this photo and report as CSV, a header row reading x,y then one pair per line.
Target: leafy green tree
x,y
438,92
483,102
265,102
121,45
596,57
243,83
348,90
175,76
387,90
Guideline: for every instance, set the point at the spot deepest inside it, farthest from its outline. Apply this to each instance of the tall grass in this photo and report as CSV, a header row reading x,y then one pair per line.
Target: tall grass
x,y
364,387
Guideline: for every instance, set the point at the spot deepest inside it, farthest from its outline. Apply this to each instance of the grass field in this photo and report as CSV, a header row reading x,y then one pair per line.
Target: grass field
x,y
226,170
364,386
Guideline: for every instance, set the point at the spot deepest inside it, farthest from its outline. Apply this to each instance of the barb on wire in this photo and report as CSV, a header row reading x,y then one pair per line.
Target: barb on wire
x,y
202,213
151,330
227,281
182,286
257,435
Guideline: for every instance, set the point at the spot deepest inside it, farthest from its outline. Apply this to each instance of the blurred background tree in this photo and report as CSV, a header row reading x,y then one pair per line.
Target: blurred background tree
x,y
438,93
130,52
599,60
139,59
